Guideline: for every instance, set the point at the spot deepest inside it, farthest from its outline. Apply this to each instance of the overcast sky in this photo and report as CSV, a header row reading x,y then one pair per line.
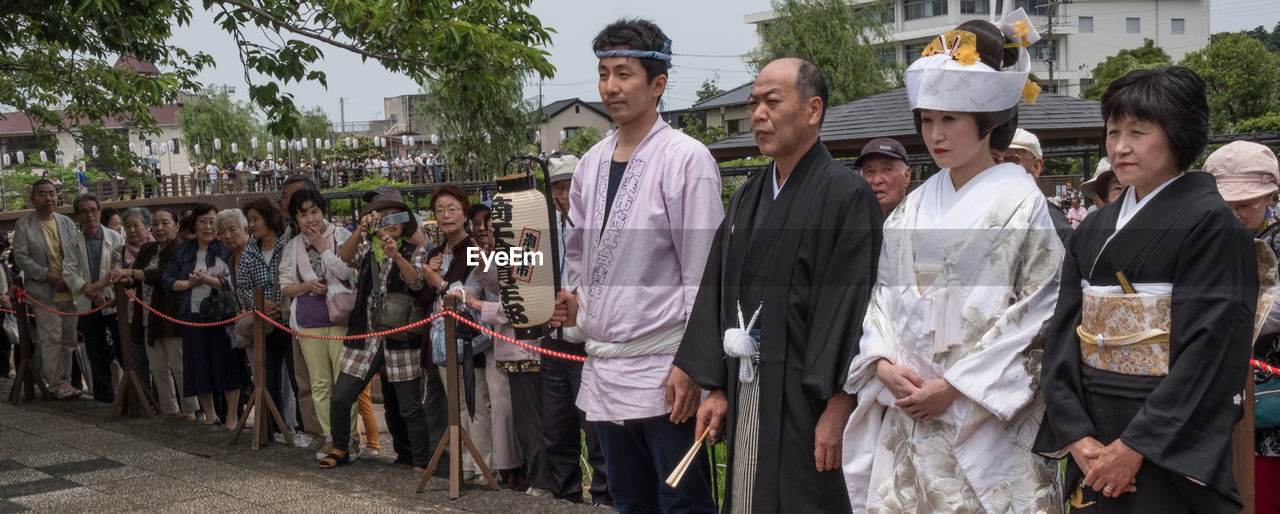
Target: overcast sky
x,y
708,37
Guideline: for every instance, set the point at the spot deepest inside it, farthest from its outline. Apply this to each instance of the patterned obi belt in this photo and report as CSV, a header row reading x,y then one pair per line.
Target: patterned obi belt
x,y
1126,333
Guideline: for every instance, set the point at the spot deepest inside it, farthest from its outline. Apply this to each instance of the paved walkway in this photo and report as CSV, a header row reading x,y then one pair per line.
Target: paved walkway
x,y
66,457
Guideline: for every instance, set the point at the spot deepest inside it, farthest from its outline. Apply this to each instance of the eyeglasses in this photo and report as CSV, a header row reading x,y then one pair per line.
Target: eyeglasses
x,y
1247,204
1011,158
447,210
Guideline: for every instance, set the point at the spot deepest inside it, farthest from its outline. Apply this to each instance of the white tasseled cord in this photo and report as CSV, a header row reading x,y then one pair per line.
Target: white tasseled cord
x,y
738,343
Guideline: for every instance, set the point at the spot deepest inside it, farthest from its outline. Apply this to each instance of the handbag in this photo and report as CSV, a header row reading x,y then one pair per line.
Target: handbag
x,y
1266,405
218,306
394,310
467,337
341,298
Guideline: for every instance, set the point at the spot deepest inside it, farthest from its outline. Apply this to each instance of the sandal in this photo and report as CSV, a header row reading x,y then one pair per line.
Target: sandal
x,y
334,459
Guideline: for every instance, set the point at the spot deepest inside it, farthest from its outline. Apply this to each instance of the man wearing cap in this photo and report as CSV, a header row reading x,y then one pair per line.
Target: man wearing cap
x,y
1103,186
644,204
1024,151
883,163
563,423
779,313
1247,179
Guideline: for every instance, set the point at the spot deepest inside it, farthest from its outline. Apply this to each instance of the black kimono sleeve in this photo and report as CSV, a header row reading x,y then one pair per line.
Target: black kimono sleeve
x,y
701,355
845,264
1185,425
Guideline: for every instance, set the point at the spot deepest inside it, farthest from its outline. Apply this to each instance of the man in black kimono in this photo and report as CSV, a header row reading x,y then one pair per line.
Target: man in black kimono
x,y
799,247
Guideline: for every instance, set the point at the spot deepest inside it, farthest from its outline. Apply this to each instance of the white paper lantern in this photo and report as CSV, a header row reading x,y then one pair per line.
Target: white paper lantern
x,y
284,145
253,142
521,220
412,142
5,160
132,148
326,144
197,148
270,148
43,156
435,140
217,144
404,140
94,151
21,158
79,153
303,142
168,146
234,149
563,135
317,143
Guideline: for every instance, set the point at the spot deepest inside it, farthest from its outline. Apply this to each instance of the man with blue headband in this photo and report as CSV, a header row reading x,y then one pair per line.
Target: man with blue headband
x,y
643,206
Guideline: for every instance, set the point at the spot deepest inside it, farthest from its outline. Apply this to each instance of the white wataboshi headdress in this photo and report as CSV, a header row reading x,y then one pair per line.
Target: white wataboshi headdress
x,y
950,77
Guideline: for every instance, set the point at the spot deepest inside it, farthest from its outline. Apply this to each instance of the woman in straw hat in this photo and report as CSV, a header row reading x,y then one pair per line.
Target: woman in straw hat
x,y
1247,179
948,400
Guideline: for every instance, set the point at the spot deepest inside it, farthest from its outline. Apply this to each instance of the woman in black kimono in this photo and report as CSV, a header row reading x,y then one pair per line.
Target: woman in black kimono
x,y
1150,340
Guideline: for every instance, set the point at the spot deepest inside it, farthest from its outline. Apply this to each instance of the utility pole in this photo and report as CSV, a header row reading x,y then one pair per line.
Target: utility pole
x,y
342,113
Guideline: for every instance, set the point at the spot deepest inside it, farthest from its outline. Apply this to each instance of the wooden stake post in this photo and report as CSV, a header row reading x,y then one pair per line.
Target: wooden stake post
x,y
455,436
28,378
131,395
260,397
1242,444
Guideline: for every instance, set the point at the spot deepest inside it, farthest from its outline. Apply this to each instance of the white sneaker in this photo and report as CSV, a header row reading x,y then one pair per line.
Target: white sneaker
x,y
301,440
355,453
279,438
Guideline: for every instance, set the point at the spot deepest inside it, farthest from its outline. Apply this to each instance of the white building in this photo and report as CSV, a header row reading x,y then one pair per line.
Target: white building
x,y
1077,34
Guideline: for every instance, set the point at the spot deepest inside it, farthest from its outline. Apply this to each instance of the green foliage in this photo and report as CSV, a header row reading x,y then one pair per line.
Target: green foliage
x,y
339,148
482,119
1269,122
55,52
747,161
1271,39
1144,57
694,127
345,207
710,87
1240,77
845,42
313,124
581,140
216,116
1064,166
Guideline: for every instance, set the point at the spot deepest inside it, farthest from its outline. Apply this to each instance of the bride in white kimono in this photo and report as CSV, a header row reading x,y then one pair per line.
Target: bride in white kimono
x,y
948,370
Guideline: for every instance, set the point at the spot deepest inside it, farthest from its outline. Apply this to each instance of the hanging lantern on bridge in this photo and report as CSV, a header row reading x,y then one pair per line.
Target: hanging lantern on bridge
x,y
435,140
412,142
79,153
43,156
521,220
303,142
217,144
5,160
270,148
94,151
253,142
197,148
284,145
132,148
404,140
21,158
234,149
326,144
317,143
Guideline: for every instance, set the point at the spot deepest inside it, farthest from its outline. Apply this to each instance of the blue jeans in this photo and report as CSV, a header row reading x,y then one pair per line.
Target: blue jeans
x,y
640,453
